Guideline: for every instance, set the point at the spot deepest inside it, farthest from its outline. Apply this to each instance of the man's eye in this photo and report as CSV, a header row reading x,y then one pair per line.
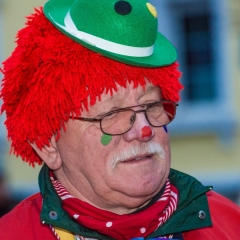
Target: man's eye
x,y
111,115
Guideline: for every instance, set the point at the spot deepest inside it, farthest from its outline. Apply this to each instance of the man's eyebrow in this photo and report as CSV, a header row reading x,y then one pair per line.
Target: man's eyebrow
x,y
152,88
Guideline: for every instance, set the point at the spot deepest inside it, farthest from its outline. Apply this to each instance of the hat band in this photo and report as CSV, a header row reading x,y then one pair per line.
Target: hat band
x,y
101,43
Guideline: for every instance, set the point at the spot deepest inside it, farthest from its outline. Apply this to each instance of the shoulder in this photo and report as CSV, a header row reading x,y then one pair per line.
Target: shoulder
x,y
23,222
225,217
216,199
223,210
29,205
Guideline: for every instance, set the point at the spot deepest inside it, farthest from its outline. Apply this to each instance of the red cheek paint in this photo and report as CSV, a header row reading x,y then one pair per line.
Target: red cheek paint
x,y
146,131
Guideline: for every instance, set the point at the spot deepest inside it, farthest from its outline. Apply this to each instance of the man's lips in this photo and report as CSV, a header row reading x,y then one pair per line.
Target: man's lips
x,y
138,158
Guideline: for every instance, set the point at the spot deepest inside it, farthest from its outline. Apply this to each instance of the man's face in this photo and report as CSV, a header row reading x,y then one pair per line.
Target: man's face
x,y
87,169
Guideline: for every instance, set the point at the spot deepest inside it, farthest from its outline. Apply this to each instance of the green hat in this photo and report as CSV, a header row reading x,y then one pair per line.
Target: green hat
x,y
125,31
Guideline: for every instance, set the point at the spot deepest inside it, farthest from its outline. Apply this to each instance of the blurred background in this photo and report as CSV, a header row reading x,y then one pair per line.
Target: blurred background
x,y
205,136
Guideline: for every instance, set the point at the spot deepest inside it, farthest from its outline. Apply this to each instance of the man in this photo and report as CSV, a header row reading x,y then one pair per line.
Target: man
x,y
89,91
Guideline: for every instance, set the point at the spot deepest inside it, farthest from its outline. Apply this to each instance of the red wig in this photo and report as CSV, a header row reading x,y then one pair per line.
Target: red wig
x,y
49,77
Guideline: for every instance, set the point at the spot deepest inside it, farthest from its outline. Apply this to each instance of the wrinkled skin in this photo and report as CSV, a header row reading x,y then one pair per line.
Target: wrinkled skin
x,y
84,165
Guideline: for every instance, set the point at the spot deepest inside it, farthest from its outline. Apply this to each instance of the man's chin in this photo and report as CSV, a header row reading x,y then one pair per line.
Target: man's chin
x,y
142,188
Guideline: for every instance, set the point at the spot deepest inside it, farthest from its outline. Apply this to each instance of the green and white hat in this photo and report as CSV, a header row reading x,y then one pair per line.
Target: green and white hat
x,y
125,31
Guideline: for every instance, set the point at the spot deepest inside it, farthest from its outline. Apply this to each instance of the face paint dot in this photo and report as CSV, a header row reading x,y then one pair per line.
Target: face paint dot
x,y
146,131
106,139
165,128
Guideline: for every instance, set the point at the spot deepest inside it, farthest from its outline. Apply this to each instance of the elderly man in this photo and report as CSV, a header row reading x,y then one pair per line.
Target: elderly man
x,y
89,91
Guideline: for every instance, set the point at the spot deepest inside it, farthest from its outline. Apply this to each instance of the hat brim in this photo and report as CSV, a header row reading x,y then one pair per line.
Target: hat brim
x,y
164,52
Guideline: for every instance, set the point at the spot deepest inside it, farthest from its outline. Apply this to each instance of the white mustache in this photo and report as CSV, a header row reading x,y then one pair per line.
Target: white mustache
x,y
148,148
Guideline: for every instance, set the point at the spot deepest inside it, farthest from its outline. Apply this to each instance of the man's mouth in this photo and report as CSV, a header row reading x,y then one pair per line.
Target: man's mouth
x,y
139,158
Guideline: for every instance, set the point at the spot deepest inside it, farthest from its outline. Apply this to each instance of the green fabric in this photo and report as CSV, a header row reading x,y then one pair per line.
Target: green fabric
x,y
98,18
51,202
192,199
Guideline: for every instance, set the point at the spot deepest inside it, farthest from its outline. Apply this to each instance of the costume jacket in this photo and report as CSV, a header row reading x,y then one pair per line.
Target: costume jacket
x,y
201,214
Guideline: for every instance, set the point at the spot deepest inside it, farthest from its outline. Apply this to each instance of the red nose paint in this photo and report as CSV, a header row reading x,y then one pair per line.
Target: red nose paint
x,y
146,131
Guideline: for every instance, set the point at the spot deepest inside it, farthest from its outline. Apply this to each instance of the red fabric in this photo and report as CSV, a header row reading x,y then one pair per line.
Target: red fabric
x,y
23,222
225,219
121,227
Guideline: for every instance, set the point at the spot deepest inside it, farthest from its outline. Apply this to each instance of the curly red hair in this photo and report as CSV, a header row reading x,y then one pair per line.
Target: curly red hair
x,y
49,77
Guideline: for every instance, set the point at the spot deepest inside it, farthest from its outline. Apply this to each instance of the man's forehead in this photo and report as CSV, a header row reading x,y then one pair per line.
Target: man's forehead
x,y
122,95
123,92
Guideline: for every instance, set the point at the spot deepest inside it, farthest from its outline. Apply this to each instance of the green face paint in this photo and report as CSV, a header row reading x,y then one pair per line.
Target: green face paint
x,y
106,139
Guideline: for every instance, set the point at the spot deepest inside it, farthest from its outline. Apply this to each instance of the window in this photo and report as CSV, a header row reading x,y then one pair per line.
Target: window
x,y
199,30
199,81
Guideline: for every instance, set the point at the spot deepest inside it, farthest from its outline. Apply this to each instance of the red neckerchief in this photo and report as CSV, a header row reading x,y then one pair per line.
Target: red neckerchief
x,y
121,227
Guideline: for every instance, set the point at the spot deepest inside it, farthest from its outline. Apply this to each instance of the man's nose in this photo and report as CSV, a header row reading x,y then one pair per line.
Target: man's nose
x,y
141,129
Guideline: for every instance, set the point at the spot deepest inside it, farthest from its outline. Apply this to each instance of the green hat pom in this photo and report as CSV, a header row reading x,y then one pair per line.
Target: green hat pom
x,y
125,31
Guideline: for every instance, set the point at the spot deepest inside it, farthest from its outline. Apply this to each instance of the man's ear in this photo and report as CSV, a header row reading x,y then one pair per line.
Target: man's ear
x,y
49,154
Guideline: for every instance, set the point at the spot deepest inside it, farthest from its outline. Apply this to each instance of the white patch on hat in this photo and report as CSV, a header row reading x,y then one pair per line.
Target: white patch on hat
x,y
103,44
